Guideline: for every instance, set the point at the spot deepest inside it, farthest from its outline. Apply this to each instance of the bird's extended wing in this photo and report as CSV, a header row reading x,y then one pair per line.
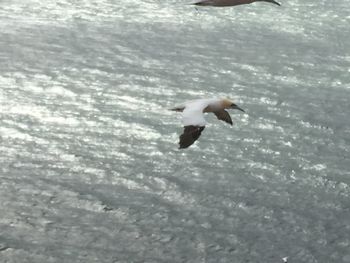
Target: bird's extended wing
x,y
190,135
193,121
193,115
205,2
224,116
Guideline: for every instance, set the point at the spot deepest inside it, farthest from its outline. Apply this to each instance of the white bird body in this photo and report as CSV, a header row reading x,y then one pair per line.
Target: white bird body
x,y
193,116
193,111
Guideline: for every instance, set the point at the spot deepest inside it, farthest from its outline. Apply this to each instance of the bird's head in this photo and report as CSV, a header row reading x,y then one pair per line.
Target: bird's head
x,y
228,104
270,1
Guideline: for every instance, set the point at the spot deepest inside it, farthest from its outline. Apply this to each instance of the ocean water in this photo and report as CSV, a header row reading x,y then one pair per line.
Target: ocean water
x,y
90,169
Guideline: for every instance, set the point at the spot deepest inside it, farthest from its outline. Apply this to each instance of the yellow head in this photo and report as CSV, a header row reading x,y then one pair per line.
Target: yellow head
x,y
228,104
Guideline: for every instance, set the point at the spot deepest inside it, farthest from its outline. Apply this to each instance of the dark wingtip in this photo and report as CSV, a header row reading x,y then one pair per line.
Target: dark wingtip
x,y
272,2
198,3
182,146
190,135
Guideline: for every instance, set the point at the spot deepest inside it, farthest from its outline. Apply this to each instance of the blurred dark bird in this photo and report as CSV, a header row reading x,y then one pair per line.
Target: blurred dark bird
x,y
193,117
222,3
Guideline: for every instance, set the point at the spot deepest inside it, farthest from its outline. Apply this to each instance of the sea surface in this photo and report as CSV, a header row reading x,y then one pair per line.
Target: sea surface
x,y
90,169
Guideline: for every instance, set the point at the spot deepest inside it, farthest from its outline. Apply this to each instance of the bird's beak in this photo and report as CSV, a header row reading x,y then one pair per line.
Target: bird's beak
x,y
235,107
272,1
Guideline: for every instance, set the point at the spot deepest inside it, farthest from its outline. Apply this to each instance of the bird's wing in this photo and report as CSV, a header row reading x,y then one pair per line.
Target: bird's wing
x,y
190,135
193,113
205,2
193,121
224,116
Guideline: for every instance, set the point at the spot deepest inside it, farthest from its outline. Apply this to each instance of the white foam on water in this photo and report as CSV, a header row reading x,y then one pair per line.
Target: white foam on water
x,y
14,134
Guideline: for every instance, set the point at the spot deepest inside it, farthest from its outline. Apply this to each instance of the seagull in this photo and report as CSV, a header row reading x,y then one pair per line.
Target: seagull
x,y
222,3
285,259
193,116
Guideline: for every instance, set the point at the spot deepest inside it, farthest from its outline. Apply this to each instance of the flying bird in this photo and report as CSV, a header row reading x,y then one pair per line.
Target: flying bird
x,y
222,3
193,117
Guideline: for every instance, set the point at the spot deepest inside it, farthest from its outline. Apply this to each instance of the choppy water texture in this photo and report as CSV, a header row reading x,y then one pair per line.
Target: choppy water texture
x,y
90,170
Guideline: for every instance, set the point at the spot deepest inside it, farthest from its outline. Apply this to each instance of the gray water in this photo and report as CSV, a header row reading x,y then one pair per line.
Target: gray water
x,y
90,169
